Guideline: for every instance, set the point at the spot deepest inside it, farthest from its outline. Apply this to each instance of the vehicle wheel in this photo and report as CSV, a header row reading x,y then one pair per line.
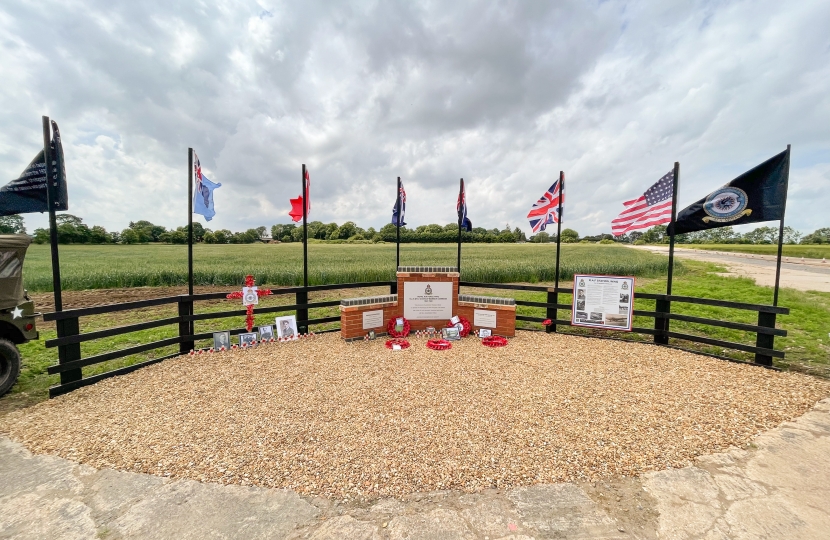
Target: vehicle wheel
x,y
9,365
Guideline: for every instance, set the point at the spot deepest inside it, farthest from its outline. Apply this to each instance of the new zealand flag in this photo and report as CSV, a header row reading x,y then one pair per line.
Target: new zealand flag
x,y
757,195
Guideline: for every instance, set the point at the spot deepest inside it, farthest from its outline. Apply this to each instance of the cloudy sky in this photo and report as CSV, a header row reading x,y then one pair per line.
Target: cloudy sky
x,y
504,95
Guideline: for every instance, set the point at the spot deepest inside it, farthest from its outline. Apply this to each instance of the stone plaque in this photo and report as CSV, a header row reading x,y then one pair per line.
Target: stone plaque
x,y
426,301
485,318
372,319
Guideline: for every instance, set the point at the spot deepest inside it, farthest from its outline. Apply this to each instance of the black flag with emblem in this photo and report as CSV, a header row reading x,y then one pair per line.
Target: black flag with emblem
x,y
27,193
757,195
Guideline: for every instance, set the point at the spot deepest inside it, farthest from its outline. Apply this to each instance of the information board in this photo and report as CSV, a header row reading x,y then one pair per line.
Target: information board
x,y
426,301
372,319
603,302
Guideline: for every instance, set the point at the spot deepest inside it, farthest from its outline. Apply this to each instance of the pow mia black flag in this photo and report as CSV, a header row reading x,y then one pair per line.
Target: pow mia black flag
x,y
27,193
757,195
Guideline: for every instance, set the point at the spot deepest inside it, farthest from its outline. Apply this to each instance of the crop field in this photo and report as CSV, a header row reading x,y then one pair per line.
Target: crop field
x,y
808,251
118,266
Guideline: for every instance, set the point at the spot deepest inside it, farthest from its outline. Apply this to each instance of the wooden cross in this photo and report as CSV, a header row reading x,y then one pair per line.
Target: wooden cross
x,y
250,296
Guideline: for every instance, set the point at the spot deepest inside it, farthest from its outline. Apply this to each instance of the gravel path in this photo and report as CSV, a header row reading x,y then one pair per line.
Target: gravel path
x,y
342,420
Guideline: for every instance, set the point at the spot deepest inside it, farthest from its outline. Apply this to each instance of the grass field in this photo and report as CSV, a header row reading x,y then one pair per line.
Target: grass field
x,y
808,251
116,266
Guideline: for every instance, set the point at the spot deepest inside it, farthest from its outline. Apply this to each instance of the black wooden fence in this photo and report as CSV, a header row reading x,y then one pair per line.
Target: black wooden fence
x,y
71,362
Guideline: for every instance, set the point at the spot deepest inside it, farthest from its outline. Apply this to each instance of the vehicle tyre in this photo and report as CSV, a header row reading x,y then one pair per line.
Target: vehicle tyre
x,y
9,365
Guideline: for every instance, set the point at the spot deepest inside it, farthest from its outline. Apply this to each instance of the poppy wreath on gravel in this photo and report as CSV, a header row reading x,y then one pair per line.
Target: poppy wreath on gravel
x,y
390,328
439,344
402,343
494,341
465,326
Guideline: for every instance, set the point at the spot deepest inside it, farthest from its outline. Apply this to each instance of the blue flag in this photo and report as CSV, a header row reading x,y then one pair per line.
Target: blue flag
x,y
461,206
402,199
203,195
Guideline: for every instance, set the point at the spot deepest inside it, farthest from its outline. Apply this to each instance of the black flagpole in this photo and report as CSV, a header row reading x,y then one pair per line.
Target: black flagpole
x,y
671,226
398,204
305,230
190,221
50,202
552,312
460,201
781,233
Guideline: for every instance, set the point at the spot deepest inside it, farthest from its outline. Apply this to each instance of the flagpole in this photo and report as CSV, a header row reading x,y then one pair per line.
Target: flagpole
x,y
305,231
460,202
781,233
552,327
190,221
50,202
398,228
671,227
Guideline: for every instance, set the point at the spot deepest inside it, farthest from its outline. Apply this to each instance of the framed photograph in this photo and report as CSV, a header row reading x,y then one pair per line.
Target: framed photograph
x,y
286,326
266,332
484,332
248,339
450,334
220,340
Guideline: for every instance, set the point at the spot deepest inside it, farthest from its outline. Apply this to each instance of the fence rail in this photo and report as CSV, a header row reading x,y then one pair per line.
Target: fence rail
x,y
71,362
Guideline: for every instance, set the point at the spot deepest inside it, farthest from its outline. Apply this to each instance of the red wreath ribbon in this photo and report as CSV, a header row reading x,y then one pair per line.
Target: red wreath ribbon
x,y
439,344
404,344
390,328
547,322
494,341
465,326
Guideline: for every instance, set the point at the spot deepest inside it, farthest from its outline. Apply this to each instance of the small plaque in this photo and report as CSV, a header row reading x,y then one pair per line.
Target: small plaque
x,y
455,319
396,347
372,319
485,318
371,334
250,296
484,332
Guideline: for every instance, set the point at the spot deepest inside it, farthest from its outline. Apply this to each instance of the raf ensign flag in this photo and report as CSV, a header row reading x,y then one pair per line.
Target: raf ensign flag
x,y
545,211
757,195
203,194
296,212
651,208
27,193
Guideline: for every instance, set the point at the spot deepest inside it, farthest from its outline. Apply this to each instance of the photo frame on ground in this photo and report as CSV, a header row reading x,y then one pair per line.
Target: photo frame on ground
x,y
266,332
221,340
248,338
450,334
286,326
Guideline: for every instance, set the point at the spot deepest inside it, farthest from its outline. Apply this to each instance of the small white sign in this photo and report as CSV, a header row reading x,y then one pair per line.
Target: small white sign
x,y
396,347
399,321
485,318
372,319
455,319
250,296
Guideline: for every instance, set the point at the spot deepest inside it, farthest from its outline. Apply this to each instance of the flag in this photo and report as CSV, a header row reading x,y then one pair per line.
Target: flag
x,y
27,193
461,206
545,211
757,195
203,194
402,199
296,212
652,208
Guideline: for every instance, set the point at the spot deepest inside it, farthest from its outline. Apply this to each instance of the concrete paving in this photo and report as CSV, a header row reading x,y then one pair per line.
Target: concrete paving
x,y
796,272
776,488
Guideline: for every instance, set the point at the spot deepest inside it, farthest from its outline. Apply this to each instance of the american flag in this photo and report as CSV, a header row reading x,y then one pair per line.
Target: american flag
x,y
545,211
652,208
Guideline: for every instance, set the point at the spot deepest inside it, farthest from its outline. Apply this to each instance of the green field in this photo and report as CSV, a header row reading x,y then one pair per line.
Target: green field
x,y
808,251
117,266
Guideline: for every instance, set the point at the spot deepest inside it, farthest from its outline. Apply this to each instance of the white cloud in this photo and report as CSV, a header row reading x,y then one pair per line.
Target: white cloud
x,y
504,95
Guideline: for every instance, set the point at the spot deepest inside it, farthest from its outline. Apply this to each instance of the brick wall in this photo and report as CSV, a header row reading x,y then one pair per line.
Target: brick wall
x,y
351,319
505,317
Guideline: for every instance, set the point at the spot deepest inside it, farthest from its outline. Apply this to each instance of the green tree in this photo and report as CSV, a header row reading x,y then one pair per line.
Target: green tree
x,y
570,236
12,224
209,238
819,236
655,235
540,238
346,231
129,236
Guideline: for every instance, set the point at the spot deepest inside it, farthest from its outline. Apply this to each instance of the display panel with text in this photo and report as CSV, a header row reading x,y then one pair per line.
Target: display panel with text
x,y
603,302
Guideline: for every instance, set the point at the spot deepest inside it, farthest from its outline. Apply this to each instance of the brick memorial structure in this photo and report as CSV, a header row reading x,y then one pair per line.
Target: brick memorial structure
x,y
427,296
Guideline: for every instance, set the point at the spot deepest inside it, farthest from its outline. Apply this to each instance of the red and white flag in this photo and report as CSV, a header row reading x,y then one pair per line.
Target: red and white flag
x,y
652,208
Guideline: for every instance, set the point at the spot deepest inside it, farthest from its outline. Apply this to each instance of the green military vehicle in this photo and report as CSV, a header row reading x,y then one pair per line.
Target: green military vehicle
x,y
17,311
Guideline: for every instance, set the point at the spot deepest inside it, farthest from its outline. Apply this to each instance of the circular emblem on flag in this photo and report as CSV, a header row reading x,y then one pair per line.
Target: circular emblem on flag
x,y
726,204
250,298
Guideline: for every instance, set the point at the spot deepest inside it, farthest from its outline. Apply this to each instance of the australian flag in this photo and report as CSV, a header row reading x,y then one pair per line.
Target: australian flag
x,y
757,195
461,206
203,195
402,200
545,211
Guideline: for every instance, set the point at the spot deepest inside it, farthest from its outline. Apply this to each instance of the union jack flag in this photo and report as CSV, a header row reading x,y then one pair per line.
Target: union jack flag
x,y
402,198
545,211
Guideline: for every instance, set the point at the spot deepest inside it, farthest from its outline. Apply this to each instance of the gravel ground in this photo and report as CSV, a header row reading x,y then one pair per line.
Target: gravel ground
x,y
328,418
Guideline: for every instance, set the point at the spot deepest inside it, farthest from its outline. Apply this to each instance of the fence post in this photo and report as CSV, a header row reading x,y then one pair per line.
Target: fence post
x,y
661,324
69,353
302,314
393,287
766,341
551,313
185,325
